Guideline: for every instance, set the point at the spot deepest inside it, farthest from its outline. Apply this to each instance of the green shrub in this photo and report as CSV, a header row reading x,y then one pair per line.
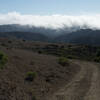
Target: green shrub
x,y
97,59
3,59
9,41
3,44
40,52
33,98
63,61
98,53
70,57
24,40
30,76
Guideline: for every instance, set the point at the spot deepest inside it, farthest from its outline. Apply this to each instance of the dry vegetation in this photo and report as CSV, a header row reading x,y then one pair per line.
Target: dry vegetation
x,y
30,74
35,70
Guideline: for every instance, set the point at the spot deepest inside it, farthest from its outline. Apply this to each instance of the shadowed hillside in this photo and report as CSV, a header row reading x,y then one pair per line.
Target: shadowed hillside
x,y
86,36
30,75
64,35
40,71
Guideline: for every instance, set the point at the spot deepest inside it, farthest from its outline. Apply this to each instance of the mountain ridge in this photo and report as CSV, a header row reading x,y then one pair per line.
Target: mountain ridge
x,y
78,36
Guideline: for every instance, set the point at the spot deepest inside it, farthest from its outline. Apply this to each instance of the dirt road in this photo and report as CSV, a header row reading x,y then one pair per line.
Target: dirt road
x,y
84,86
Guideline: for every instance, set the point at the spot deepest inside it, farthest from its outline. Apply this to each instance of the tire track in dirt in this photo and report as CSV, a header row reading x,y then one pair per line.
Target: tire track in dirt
x,y
80,85
94,92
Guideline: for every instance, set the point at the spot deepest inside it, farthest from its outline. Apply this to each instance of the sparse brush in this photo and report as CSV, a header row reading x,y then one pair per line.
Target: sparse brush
x,y
63,61
33,98
30,76
97,59
40,52
3,59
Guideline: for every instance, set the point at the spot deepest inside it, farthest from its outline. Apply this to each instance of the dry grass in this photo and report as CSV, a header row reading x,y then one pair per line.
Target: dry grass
x,y
50,74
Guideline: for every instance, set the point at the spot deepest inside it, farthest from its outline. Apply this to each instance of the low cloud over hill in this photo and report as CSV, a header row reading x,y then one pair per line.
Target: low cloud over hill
x,y
52,21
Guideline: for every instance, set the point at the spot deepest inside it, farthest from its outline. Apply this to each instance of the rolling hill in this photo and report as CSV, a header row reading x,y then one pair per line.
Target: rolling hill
x,y
65,35
83,36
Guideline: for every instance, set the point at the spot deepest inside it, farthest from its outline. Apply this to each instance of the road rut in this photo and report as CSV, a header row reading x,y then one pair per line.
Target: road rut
x,y
84,86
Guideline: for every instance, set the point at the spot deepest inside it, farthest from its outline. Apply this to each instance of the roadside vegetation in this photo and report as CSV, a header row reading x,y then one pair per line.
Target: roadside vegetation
x,y
63,61
30,76
70,51
97,58
3,59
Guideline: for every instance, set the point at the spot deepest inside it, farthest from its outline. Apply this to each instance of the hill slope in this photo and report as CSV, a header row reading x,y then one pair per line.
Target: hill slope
x,y
25,35
50,80
86,36
64,35
49,75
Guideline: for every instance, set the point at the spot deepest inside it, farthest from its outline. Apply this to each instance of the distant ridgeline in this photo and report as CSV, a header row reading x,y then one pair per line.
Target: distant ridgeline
x,y
79,36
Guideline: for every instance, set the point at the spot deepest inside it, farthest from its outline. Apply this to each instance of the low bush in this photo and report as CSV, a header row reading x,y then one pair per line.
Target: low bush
x,y
98,53
9,41
3,44
97,59
3,59
70,57
40,52
33,98
63,61
30,76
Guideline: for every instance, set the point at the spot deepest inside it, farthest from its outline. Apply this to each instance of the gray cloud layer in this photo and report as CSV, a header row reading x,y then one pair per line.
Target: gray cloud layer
x,y
52,21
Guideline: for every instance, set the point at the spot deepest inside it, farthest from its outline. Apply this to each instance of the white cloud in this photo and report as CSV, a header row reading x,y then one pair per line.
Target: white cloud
x,y
52,21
